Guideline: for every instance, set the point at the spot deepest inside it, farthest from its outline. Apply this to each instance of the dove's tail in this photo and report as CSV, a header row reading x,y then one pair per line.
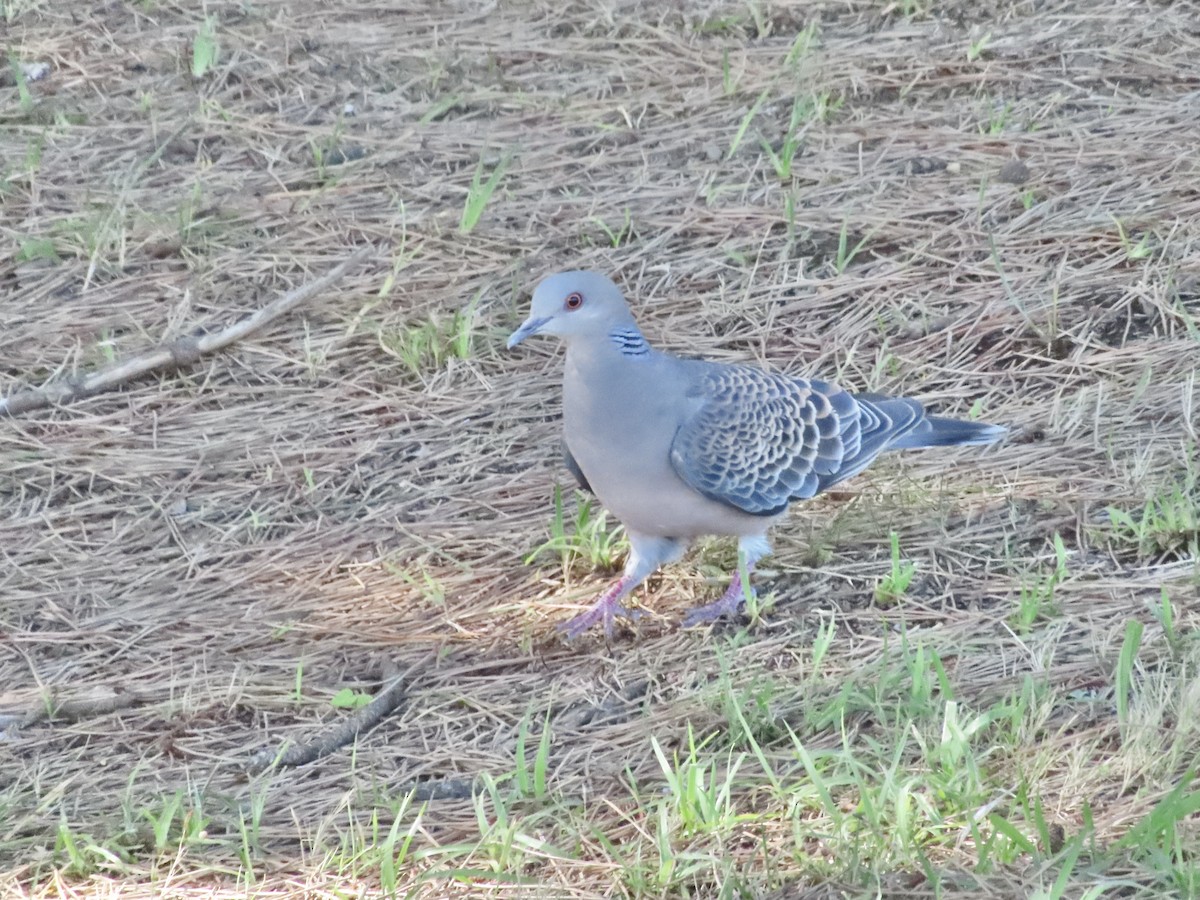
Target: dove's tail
x,y
939,431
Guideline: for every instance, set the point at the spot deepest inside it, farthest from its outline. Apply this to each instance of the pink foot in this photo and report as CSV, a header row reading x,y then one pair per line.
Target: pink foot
x,y
729,605
605,610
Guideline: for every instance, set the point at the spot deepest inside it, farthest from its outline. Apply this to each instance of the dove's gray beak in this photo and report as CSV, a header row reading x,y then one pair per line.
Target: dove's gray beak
x,y
529,327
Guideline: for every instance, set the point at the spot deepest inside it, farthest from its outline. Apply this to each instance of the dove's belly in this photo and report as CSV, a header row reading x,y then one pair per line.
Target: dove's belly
x,y
620,428
678,511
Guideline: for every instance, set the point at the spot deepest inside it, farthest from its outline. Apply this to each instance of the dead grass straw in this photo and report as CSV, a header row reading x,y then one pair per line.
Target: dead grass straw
x,y
192,567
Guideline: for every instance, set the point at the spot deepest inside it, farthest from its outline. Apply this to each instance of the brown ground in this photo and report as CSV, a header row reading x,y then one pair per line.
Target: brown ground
x,y
218,551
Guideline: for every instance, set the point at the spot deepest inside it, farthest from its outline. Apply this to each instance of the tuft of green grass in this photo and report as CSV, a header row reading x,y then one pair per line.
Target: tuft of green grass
x,y
749,705
386,853
1169,523
846,253
249,833
33,155
783,159
805,110
205,49
506,844
432,589
589,540
530,777
623,234
1158,831
806,39
996,122
728,82
720,24
1134,252
744,124
177,822
440,108
480,193
911,9
24,96
381,846
298,682
699,791
1164,612
429,345
81,855
978,46
1035,600
893,586
1125,665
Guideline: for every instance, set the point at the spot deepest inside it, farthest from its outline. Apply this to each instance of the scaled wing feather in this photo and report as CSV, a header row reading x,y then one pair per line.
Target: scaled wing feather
x,y
758,440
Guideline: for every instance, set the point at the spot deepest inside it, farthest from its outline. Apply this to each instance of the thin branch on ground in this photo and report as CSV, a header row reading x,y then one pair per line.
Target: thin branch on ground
x,y
185,351
77,708
389,698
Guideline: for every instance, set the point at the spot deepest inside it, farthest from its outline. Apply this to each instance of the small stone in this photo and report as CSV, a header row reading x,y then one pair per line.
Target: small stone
x,y
340,156
35,71
922,165
1013,172
1057,836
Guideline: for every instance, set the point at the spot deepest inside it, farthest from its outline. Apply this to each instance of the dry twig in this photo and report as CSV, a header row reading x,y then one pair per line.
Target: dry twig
x,y
385,703
185,351
74,709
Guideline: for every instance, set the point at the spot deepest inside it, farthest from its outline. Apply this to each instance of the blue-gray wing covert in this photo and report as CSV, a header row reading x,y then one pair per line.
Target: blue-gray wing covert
x,y
760,439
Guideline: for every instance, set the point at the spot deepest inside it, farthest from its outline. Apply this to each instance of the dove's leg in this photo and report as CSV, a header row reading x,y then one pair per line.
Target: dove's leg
x,y
645,555
750,551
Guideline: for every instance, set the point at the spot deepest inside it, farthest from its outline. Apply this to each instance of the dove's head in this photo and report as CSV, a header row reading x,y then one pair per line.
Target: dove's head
x,y
574,305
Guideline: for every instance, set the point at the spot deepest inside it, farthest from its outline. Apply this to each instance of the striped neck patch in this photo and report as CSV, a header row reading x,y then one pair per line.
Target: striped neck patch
x,y
629,341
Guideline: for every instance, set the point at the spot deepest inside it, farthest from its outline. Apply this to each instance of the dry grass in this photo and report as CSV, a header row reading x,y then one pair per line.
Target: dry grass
x,y
193,567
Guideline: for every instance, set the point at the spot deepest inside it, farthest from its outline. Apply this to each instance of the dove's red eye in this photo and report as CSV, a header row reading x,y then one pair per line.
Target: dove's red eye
x,y
574,300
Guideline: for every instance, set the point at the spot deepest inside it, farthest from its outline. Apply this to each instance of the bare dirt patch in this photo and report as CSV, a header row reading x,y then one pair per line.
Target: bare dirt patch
x,y
197,567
